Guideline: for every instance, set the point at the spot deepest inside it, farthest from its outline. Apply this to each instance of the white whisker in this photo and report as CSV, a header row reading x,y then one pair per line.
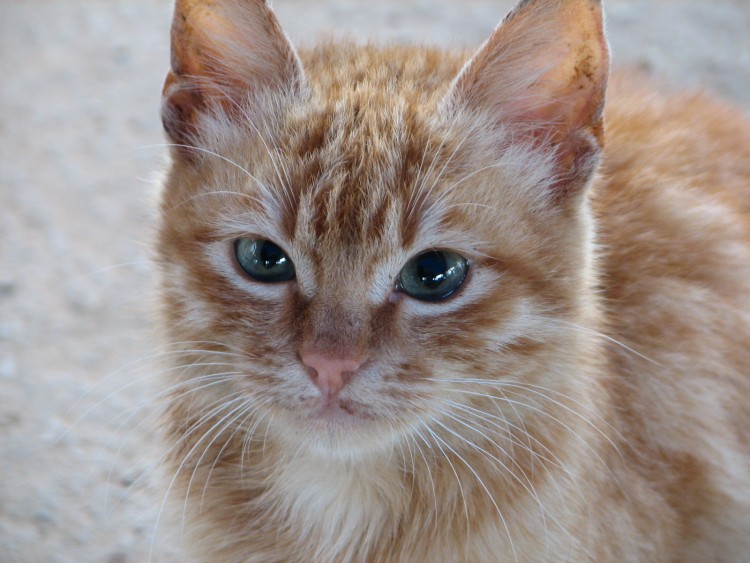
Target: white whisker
x,y
438,441
609,339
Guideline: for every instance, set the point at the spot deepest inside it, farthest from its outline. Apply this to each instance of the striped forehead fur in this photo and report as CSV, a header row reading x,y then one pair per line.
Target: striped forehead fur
x,y
382,155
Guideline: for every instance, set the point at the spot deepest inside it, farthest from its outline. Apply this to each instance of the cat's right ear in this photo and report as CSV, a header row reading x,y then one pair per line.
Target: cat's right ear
x,y
223,52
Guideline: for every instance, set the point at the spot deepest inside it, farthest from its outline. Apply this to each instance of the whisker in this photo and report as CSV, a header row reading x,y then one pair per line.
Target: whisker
x,y
581,439
222,378
486,417
499,385
595,414
528,488
429,470
455,473
550,475
571,411
244,408
185,460
202,150
476,476
215,193
418,189
212,408
120,389
471,175
609,339
109,268
153,357
435,203
250,410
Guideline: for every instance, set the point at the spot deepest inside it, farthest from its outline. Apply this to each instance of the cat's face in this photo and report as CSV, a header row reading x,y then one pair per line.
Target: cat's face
x,y
362,256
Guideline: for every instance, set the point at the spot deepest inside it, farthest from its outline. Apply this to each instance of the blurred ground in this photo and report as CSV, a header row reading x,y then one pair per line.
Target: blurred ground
x,y
79,98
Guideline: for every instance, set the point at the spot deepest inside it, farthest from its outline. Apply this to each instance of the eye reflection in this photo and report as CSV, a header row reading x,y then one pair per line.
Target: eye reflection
x,y
263,260
433,275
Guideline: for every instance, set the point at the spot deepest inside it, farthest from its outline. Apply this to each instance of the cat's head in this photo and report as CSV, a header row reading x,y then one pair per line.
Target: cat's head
x,y
359,245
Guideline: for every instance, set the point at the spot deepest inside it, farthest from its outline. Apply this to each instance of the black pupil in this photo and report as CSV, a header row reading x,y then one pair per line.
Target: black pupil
x,y
271,255
263,260
432,269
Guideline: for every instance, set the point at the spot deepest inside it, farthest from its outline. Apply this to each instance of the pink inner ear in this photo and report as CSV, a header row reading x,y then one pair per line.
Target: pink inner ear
x,y
544,69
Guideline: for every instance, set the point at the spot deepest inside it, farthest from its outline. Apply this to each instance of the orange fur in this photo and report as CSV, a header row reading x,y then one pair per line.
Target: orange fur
x,y
582,396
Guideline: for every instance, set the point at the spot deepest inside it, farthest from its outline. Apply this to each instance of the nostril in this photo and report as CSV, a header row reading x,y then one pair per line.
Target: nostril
x,y
312,373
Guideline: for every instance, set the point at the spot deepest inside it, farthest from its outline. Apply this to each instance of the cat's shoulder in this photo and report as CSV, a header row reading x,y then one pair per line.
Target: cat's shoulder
x,y
672,203
690,133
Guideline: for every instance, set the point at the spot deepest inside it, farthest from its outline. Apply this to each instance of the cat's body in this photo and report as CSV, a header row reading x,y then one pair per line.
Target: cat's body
x,y
582,396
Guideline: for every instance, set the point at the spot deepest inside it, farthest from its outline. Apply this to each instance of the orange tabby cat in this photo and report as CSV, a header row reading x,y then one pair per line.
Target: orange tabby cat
x,y
419,313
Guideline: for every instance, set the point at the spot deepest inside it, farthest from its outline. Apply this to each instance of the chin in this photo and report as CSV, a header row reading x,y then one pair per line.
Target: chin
x,y
341,429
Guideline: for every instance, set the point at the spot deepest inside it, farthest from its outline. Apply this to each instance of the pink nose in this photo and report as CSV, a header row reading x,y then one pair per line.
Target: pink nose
x,y
329,373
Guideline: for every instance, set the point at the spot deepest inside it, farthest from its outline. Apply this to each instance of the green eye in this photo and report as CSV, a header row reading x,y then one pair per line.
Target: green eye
x,y
434,275
263,260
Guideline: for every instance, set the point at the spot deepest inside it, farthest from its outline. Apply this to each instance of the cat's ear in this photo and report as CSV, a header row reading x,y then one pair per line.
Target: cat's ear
x,y
223,51
543,72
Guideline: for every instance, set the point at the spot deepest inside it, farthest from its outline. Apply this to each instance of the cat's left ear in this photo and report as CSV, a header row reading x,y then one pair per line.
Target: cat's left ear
x,y
543,74
223,51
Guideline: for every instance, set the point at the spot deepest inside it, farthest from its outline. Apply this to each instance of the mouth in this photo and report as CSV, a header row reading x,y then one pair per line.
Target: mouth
x,y
337,411
341,428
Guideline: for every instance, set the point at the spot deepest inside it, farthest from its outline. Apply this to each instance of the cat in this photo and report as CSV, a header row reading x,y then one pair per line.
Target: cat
x,y
428,305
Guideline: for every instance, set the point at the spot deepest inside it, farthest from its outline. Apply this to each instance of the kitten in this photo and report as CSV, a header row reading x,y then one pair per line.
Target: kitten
x,y
420,313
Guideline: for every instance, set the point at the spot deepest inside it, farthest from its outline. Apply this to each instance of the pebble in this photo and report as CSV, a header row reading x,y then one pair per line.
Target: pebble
x,y
7,288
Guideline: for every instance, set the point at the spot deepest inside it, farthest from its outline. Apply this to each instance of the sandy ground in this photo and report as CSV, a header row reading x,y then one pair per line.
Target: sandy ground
x,y
79,136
